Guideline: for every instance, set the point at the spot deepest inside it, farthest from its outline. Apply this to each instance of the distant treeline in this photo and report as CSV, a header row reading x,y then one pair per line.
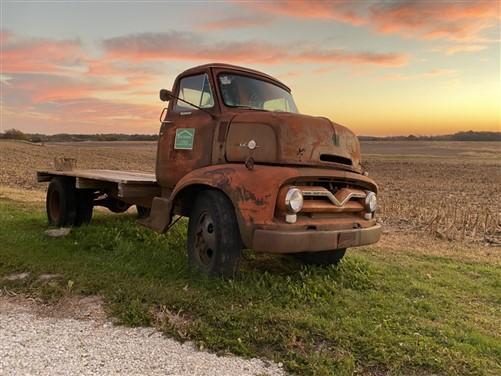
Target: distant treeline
x,y
460,136
14,134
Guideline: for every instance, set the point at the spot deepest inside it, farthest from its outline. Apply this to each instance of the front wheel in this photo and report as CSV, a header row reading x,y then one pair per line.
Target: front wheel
x,y
321,258
214,243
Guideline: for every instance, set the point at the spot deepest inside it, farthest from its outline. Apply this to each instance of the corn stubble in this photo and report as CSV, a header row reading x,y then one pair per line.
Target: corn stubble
x,y
453,200
450,197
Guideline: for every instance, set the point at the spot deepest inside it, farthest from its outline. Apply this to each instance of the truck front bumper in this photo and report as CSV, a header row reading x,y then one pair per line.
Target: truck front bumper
x,y
280,241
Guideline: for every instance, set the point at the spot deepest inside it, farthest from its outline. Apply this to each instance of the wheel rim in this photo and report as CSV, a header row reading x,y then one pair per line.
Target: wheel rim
x,y
55,206
205,239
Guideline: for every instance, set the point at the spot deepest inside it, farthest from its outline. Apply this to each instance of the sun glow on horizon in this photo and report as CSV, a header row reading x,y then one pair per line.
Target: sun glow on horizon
x,y
368,65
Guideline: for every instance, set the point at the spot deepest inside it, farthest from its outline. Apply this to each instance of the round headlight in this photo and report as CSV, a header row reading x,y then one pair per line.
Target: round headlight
x,y
371,202
294,200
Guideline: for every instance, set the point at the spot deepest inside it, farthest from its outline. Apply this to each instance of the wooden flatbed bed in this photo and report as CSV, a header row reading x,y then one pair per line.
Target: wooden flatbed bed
x,y
126,184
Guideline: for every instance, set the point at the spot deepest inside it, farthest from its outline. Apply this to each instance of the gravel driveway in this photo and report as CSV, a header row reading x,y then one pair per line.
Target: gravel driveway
x,y
34,344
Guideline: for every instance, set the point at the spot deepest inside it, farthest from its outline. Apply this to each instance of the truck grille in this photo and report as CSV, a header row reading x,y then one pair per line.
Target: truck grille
x,y
319,199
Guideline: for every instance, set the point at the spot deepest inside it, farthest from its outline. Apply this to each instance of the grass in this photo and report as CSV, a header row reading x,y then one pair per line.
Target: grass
x,y
400,313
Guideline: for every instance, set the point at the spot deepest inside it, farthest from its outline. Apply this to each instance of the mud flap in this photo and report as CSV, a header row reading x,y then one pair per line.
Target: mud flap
x,y
160,217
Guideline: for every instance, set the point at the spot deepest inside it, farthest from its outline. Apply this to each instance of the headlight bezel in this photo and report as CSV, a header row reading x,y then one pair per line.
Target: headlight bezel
x,y
370,202
292,197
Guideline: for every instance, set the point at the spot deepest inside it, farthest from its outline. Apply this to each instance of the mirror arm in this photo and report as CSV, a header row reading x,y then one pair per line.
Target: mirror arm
x,y
191,104
194,105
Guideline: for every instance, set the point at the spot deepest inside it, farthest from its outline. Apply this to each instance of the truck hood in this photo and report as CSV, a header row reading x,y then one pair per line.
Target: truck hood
x,y
292,139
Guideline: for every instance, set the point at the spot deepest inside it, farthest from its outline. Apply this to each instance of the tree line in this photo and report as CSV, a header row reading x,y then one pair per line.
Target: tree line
x,y
459,136
15,134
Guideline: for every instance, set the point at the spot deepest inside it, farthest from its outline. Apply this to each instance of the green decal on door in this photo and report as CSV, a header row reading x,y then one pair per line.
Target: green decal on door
x,y
184,138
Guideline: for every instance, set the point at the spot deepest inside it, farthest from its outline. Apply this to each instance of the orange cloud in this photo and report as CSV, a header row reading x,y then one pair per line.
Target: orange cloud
x,y
332,56
428,74
236,22
458,21
464,48
431,20
188,46
344,11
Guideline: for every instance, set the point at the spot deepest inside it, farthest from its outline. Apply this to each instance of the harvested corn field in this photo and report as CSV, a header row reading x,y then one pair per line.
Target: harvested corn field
x,y
448,190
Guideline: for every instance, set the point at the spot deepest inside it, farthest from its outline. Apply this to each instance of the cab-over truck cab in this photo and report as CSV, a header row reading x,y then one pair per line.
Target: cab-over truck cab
x,y
250,171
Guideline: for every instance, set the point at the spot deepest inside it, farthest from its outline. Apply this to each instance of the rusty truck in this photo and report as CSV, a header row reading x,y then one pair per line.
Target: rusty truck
x,y
236,157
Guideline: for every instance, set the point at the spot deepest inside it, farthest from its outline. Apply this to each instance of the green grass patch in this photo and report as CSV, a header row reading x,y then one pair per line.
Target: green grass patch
x,y
405,314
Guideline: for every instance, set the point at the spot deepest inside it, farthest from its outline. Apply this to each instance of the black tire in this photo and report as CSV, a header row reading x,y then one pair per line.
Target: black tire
x,y
142,212
214,242
321,258
61,203
85,206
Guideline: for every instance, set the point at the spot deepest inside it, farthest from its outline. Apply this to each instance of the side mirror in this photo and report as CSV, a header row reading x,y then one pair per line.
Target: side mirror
x,y
166,95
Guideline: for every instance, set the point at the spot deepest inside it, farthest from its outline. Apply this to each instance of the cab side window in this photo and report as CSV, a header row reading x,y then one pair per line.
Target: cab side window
x,y
196,90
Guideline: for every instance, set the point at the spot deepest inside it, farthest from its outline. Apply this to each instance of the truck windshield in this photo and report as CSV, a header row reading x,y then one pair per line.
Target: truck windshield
x,y
255,94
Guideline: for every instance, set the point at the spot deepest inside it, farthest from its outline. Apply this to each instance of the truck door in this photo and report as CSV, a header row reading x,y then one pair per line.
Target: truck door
x,y
185,141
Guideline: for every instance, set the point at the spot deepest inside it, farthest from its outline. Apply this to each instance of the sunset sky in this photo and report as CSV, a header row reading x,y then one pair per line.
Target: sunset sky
x,y
378,67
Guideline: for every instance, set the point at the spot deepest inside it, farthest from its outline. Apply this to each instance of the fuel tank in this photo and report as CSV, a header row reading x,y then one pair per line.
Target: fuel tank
x,y
291,139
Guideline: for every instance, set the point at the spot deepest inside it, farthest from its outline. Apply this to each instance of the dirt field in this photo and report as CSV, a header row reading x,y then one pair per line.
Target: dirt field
x,y
448,190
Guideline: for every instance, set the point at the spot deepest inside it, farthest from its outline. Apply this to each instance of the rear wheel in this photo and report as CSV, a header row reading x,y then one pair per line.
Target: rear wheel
x,y
214,243
321,258
61,202
85,206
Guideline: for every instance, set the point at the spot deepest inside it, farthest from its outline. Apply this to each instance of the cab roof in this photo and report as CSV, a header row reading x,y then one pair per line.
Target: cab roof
x,y
234,68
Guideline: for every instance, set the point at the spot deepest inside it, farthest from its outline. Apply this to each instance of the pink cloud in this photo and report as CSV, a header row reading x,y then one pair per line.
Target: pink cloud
x,y
36,88
58,81
85,115
344,11
189,46
4,36
39,55
177,45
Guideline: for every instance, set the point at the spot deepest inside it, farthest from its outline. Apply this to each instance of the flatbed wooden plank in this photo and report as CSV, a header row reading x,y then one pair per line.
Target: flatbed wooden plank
x,y
114,176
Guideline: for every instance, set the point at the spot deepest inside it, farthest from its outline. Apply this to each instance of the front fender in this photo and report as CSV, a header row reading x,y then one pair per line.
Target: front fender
x,y
253,193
